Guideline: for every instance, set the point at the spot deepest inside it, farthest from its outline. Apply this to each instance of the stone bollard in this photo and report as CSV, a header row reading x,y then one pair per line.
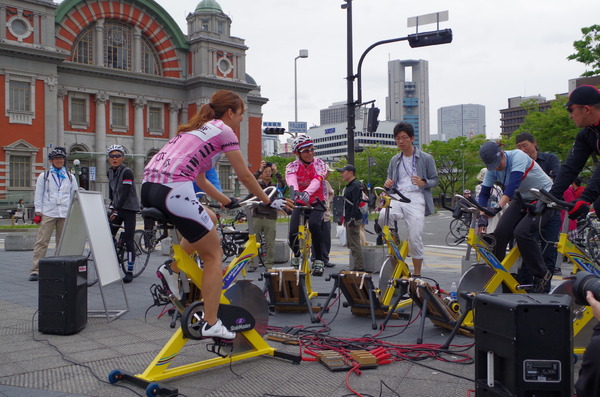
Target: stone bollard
x,y
374,256
282,251
19,241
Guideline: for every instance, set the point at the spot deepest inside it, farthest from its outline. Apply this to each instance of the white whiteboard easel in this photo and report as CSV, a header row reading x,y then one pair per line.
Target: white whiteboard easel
x,y
87,221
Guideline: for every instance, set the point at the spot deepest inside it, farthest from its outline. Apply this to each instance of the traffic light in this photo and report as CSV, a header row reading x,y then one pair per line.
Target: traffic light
x,y
430,38
372,122
274,131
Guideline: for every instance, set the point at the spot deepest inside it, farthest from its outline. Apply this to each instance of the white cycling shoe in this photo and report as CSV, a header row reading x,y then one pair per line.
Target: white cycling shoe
x,y
172,280
217,330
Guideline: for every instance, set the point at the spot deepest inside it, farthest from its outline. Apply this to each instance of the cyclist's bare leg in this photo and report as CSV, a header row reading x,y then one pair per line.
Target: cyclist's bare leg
x,y
209,249
417,264
213,218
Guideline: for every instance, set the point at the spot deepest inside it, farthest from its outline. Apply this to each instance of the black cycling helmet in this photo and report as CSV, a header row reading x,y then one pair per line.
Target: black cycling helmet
x,y
57,152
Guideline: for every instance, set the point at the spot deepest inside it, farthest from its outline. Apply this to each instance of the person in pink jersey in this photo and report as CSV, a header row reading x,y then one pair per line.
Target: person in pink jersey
x,y
168,186
305,178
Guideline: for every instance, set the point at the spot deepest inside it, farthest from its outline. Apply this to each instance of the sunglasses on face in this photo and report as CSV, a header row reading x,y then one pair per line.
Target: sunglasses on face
x,y
309,150
115,156
573,107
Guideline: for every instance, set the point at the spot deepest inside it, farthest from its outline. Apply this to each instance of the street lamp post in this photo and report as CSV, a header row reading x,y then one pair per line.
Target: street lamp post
x,y
359,149
302,54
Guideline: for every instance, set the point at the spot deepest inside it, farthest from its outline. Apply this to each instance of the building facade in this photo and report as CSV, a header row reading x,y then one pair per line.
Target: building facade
x,y
512,117
87,74
461,120
408,96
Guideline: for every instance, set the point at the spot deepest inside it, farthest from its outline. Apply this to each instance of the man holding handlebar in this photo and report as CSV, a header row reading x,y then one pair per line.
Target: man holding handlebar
x,y
584,109
413,173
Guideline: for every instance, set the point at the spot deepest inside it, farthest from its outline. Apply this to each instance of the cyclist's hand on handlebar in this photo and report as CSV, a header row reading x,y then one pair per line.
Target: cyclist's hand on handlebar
x,y
234,203
580,210
303,197
388,183
282,204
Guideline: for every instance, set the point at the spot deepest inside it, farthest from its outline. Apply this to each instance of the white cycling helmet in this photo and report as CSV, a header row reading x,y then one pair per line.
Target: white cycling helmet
x,y
115,148
300,142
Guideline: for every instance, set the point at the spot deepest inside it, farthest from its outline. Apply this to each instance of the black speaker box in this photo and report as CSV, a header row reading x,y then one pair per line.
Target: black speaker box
x,y
62,297
523,345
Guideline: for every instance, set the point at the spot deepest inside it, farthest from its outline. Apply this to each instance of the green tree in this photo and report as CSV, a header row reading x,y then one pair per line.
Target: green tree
x,y
552,128
588,50
457,162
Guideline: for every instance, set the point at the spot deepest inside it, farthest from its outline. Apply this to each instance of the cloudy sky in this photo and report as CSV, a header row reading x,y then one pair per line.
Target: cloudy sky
x,y
500,50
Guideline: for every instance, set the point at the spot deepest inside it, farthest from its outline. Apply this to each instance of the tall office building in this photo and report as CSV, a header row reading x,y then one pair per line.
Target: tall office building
x,y
461,120
408,96
337,113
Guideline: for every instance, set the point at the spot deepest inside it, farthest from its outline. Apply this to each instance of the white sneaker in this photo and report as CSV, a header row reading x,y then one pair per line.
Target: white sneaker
x,y
171,278
217,330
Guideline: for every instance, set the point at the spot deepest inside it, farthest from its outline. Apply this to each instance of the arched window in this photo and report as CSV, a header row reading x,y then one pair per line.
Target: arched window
x,y
118,49
150,61
117,46
83,49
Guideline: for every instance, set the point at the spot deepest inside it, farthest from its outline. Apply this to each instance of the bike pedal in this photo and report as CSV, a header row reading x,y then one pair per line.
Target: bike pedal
x,y
220,347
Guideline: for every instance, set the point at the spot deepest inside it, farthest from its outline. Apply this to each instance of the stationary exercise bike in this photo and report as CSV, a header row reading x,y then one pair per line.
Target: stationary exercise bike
x,y
290,289
243,310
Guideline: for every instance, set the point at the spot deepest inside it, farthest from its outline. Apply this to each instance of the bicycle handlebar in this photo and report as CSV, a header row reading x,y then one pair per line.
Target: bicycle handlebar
x,y
392,190
474,204
550,200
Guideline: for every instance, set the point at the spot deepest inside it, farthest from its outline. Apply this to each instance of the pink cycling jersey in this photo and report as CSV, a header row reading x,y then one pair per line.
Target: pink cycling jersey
x,y
307,178
191,153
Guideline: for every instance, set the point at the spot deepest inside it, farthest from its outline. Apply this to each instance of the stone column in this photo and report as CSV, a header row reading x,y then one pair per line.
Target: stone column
x,y
60,116
137,49
138,139
101,180
99,44
173,118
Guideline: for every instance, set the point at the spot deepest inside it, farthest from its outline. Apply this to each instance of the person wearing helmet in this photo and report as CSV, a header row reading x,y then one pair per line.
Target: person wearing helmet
x,y
305,178
124,202
53,193
168,186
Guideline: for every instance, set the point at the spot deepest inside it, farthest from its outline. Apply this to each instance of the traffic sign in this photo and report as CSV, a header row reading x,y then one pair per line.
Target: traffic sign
x,y
297,126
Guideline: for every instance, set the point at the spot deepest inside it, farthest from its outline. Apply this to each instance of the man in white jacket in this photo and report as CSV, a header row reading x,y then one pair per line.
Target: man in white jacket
x,y
53,193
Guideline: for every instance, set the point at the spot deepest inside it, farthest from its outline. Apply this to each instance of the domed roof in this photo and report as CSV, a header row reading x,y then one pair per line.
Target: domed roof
x,y
250,79
209,6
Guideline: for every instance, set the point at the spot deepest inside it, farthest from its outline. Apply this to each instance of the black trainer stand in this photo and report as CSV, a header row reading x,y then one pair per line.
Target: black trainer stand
x,y
469,298
361,295
288,293
442,313
401,285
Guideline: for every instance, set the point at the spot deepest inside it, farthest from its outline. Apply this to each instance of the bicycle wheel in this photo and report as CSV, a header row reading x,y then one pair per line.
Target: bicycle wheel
x,y
140,261
146,240
592,243
458,228
453,241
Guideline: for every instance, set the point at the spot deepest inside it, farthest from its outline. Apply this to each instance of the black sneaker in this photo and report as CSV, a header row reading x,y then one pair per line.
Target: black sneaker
x,y
34,277
128,277
541,285
318,268
329,264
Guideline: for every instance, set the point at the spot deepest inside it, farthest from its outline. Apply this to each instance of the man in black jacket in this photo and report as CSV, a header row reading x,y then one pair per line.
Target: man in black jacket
x,y
550,164
584,110
352,215
124,202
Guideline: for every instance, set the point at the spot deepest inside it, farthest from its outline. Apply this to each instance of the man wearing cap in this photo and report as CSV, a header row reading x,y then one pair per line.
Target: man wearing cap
x,y
550,164
265,218
584,109
519,174
352,215
413,173
53,192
